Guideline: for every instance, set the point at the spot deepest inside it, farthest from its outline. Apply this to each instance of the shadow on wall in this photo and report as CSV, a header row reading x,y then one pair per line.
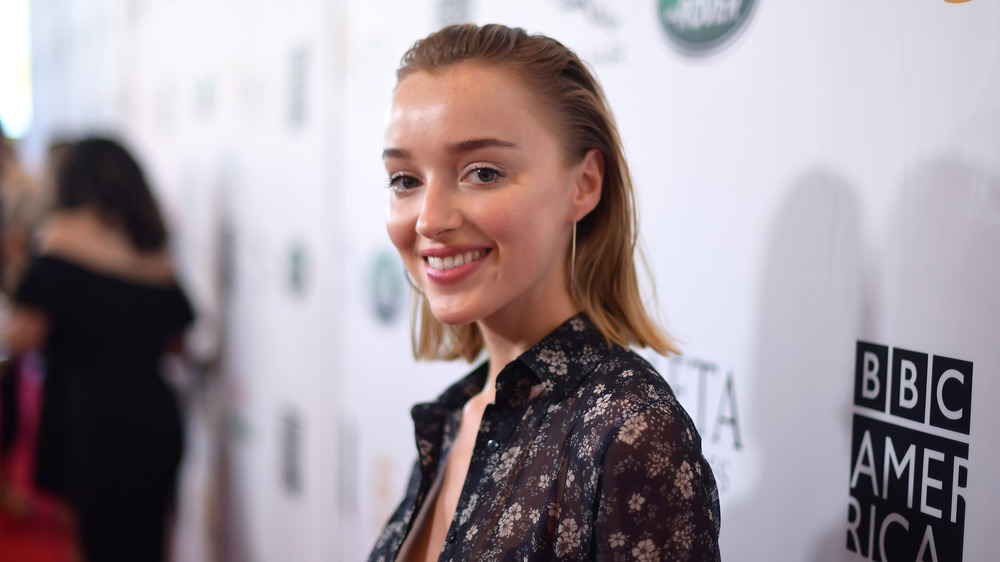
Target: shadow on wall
x,y
942,267
810,313
932,287
941,289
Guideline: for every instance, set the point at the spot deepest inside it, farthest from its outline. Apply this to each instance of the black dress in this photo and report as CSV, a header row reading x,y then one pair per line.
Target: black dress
x,y
110,440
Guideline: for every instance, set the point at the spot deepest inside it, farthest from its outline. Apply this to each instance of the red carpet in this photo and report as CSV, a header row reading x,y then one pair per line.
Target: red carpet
x,y
33,539
30,529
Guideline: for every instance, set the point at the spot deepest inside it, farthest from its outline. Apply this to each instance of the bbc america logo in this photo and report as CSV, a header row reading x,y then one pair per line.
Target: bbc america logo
x,y
909,455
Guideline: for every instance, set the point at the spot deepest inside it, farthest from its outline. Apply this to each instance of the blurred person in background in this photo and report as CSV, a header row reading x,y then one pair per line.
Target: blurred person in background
x,y
24,201
511,206
103,304
22,204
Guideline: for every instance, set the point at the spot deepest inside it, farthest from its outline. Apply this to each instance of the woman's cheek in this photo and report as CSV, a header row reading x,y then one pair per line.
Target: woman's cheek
x,y
401,228
500,218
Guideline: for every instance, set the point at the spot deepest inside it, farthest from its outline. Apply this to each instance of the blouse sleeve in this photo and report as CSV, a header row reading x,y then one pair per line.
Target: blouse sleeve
x,y
657,498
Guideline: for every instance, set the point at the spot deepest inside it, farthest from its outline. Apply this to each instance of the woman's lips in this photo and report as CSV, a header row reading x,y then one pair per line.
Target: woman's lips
x,y
452,268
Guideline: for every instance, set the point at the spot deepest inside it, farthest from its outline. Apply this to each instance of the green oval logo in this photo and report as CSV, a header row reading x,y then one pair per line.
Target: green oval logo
x,y
702,26
385,286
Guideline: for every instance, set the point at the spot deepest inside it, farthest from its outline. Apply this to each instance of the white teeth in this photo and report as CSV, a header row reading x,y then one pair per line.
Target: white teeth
x,y
451,262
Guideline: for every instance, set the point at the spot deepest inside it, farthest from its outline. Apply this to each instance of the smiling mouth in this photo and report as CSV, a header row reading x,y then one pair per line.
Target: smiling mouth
x,y
451,262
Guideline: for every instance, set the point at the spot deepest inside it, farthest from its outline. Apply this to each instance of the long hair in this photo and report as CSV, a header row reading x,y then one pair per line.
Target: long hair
x,y
100,173
605,286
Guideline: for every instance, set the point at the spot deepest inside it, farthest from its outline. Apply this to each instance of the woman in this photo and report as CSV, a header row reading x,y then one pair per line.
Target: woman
x,y
512,209
103,305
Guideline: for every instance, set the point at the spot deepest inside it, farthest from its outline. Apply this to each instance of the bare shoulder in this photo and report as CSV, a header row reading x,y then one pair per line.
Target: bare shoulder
x,y
58,228
68,230
81,237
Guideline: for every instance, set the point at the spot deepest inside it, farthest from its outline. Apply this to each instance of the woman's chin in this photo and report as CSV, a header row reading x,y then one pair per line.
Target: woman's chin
x,y
453,316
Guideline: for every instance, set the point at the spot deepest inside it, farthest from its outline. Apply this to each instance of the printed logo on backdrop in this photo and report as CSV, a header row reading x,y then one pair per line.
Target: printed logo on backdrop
x,y
595,12
291,452
297,269
698,27
385,287
909,455
453,11
204,98
298,87
605,46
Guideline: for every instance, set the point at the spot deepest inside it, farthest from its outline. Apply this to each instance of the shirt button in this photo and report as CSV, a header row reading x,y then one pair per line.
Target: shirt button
x,y
452,537
492,446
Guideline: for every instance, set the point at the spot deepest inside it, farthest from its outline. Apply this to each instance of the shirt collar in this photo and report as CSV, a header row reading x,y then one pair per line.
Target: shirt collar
x,y
553,367
430,418
454,397
558,363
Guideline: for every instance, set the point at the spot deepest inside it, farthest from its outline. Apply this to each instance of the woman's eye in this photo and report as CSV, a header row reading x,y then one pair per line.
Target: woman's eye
x,y
485,175
403,182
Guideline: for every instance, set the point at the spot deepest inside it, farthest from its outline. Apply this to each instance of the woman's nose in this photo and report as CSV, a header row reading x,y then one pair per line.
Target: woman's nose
x,y
440,212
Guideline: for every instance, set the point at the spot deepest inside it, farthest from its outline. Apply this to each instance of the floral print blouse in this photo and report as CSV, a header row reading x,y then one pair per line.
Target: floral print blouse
x,y
585,455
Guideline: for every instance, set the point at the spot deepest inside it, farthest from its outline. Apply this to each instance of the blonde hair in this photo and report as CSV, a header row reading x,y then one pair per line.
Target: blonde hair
x,y
605,285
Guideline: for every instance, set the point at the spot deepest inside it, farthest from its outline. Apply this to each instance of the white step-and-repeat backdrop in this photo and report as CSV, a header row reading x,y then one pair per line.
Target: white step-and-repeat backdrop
x,y
820,209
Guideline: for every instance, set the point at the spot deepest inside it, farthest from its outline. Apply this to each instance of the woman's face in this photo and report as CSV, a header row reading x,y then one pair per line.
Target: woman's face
x,y
482,200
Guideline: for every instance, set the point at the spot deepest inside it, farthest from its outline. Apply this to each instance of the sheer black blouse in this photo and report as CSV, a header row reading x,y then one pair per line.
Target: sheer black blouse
x,y
585,455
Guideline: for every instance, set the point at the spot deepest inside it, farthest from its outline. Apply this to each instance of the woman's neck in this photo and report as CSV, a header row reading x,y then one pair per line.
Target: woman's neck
x,y
506,341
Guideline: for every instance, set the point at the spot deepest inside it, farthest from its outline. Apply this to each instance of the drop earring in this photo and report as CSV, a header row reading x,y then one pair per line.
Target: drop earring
x,y
572,257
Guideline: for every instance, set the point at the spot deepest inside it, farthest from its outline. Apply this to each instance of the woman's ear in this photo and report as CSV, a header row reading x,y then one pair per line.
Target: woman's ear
x,y
588,183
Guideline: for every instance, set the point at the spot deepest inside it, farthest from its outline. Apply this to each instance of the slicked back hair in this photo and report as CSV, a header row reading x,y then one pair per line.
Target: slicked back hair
x,y
605,283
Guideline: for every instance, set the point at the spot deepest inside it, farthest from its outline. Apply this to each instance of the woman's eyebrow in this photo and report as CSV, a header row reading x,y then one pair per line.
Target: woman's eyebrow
x,y
475,144
395,153
458,147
